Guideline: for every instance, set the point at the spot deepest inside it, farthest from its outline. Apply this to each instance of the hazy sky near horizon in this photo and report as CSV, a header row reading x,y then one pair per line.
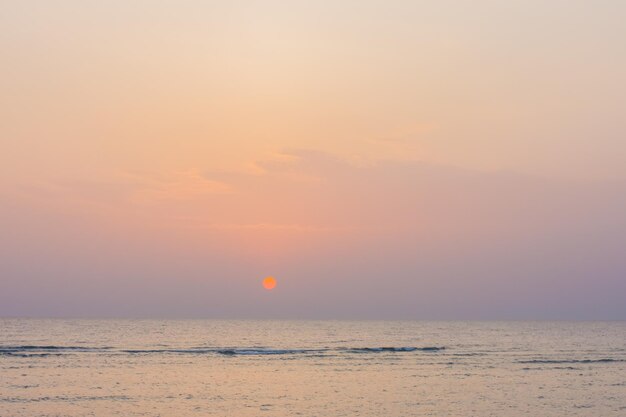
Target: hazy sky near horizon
x,y
381,159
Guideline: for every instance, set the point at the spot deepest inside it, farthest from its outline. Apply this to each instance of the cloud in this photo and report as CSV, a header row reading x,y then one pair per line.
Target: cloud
x,y
382,238
182,185
414,195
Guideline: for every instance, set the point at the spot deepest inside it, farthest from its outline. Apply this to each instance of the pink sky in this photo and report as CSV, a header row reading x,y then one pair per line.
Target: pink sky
x,y
409,160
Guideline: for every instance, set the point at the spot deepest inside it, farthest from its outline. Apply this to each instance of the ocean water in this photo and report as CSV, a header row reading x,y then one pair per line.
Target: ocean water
x,y
311,368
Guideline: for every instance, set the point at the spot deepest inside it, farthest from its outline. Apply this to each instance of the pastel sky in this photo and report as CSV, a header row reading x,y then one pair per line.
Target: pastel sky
x,y
382,159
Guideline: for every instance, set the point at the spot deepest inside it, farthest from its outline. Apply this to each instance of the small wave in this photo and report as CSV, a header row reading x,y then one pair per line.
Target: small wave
x,y
267,351
469,354
195,351
224,351
394,349
548,361
48,347
200,351
231,352
27,351
42,351
562,368
30,355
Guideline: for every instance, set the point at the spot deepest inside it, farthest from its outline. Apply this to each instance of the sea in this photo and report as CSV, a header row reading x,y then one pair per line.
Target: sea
x,y
311,368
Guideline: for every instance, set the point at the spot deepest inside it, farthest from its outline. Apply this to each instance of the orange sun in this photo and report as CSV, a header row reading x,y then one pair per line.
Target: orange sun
x,y
269,283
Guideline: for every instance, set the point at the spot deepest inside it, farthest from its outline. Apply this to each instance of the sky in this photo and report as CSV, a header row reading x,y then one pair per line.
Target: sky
x,y
381,159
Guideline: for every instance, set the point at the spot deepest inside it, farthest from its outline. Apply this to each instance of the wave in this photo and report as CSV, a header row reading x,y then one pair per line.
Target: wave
x,y
223,351
231,352
49,347
42,351
395,349
267,351
548,361
30,355
563,368
46,350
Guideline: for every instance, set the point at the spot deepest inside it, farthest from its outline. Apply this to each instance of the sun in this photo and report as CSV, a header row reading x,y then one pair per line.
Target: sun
x,y
269,283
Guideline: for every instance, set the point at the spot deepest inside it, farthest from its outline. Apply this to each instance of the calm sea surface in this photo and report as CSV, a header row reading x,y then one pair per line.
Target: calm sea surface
x,y
311,368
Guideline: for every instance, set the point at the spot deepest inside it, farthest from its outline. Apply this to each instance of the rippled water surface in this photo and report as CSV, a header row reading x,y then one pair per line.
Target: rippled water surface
x,y
316,368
